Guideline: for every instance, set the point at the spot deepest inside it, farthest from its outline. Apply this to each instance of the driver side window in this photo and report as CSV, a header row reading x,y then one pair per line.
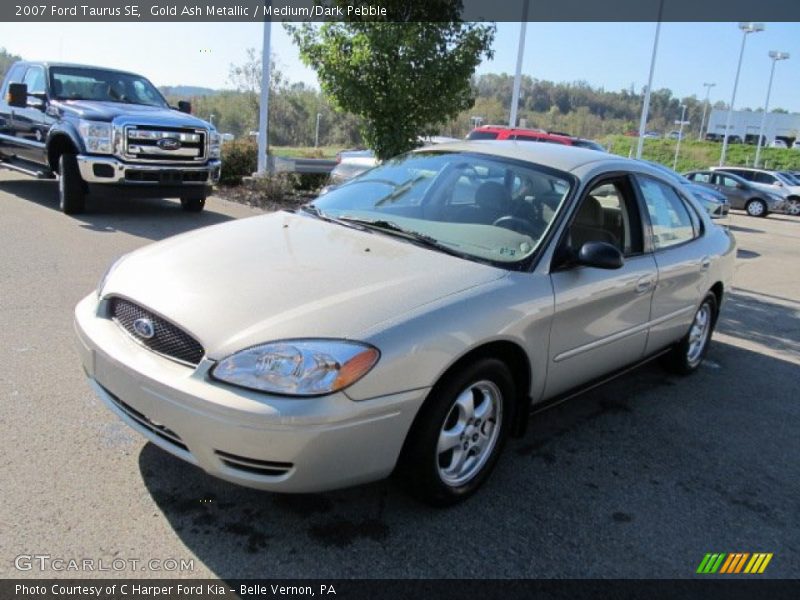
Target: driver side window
x,y
607,213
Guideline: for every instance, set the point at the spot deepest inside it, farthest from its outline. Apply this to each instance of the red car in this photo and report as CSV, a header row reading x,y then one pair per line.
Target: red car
x,y
500,132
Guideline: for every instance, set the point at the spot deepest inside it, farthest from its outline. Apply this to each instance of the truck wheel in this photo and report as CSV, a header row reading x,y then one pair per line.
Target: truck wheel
x,y
71,191
193,204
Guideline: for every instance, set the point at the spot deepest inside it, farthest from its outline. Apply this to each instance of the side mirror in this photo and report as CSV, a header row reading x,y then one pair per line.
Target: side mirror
x,y
35,101
185,106
17,95
600,255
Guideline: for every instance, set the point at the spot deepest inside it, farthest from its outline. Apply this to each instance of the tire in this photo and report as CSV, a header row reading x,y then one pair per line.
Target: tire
x,y
793,207
71,188
756,208
468,414
688,354
193,204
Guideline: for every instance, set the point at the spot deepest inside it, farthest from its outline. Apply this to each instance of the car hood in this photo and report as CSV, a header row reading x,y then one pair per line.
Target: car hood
x,y
108,111
286,275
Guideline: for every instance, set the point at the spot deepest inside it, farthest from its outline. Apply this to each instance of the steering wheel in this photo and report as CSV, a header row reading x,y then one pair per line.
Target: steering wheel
x,y
517,224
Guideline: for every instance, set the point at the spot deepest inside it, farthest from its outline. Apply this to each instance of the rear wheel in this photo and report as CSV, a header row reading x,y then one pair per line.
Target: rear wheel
x,y
193,204
459,433
793,206
685,357
71,190
756,208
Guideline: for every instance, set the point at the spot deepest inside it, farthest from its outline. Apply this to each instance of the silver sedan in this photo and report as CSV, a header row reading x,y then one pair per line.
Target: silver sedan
x,y
407,321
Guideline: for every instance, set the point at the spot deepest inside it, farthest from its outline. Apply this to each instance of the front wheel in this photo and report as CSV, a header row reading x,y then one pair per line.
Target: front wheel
x,y
459,433
685,357
71,192
756,208
193,204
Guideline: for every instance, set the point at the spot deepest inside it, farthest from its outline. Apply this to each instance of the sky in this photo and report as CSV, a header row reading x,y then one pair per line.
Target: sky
x,y
609,55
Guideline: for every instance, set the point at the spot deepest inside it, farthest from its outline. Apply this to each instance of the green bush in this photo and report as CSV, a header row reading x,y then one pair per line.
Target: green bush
x,y
239,159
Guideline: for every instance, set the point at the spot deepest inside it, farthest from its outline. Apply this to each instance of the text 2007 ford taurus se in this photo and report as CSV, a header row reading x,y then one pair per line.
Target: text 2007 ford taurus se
x,y
409,319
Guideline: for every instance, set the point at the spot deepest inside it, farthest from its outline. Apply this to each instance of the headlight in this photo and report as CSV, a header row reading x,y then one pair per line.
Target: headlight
x,y
97,136
298,367
102,283
214,145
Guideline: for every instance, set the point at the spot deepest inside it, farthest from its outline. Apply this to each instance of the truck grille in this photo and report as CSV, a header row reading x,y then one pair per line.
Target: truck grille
x,y
164,144
167,339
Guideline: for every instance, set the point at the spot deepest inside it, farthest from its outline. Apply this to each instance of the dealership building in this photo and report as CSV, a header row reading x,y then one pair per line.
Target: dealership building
x,y
746,124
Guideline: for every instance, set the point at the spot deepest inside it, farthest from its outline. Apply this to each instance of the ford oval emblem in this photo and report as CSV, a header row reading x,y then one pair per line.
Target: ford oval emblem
x,y
144,328
168,144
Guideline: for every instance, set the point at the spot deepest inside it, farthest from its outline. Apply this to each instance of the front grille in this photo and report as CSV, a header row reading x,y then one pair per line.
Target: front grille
x,y
176,177
168,340
256,466
145,143
165,433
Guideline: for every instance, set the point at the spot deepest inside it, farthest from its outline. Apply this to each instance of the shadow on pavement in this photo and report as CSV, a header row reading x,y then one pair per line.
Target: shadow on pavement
x,y
151,218
637,478
776,326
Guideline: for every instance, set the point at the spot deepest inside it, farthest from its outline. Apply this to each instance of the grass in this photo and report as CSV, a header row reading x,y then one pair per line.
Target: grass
x,y
305,151
700,155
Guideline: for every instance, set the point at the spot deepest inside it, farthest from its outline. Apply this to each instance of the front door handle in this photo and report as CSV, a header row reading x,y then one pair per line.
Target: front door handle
x,y
644,284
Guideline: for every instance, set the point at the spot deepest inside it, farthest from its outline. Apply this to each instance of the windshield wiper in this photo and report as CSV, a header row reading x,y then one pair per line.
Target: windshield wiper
x,y
395,229
317,213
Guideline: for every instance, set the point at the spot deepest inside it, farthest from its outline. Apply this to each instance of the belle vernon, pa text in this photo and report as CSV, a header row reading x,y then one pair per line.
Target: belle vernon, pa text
x,y
169,591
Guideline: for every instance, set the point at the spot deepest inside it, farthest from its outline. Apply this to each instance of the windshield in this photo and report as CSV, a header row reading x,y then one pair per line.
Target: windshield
x,y
80,83
477,206
789,178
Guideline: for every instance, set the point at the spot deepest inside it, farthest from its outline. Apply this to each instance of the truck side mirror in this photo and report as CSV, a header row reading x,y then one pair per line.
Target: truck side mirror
x,y
17,95
185,106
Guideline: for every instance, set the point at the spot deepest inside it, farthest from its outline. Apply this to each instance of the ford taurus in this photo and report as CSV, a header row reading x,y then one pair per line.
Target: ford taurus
x,y
407,321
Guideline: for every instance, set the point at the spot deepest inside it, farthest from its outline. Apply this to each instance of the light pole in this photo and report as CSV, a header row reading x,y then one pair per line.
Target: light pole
x,y
775,56
708,87
746,29
316,134
646,103
682,122
263,107
512,119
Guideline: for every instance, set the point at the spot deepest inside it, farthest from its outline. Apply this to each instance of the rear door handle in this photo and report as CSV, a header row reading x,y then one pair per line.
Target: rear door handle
x,y
644,284
705,262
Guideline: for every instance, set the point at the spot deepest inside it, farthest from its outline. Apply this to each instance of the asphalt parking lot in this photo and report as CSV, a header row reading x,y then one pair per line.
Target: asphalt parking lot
x,y
639,478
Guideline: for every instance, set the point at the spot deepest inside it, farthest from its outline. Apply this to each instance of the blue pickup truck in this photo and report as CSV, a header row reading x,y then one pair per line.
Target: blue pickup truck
x,y
97,129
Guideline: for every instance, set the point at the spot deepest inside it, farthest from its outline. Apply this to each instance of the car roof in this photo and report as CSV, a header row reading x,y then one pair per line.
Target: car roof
x,y
49,64
557,156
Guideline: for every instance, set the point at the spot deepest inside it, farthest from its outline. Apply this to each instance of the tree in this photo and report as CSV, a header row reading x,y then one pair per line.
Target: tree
x,y
6,60
404,79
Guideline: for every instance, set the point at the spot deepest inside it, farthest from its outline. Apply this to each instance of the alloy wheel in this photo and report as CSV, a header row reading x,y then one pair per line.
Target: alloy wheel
x,y
469,433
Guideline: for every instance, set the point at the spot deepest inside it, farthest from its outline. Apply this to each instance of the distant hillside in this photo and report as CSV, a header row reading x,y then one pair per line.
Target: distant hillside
x,y
186,90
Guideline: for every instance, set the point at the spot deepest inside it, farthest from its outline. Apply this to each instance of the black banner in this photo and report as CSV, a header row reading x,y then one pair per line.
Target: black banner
x,y
390,10
707,587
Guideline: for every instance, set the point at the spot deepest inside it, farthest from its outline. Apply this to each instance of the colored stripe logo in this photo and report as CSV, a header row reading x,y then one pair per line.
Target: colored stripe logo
x,y
734,563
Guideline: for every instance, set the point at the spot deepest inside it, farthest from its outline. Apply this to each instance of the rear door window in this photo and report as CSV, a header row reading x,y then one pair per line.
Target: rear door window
x,y
670,217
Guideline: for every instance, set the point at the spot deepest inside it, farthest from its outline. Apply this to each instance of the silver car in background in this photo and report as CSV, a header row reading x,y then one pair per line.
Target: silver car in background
x,y
755,199
407,321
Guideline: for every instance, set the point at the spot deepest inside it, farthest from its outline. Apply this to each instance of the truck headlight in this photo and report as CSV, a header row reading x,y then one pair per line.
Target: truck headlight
x,y
97,136
214,145
298,367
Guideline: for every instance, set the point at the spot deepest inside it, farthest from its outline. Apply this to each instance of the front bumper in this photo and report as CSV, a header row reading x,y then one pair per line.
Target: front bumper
x,y
253,439
110,170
